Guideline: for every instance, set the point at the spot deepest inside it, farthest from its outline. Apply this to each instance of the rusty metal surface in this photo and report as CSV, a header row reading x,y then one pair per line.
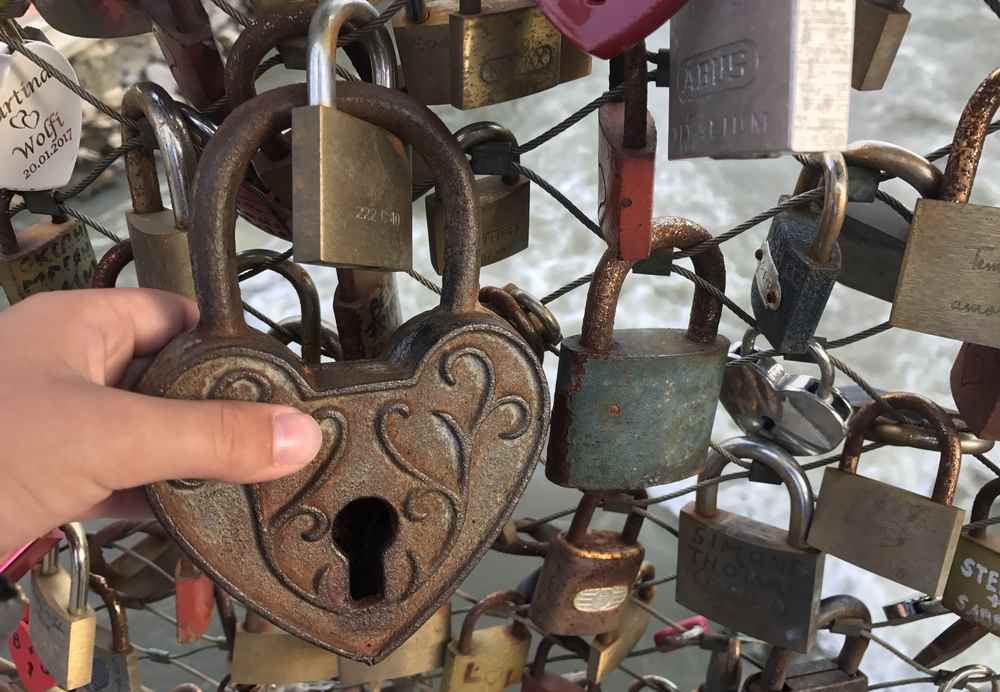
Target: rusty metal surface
x,y
970,136
135,582
446,428
111,265
490,603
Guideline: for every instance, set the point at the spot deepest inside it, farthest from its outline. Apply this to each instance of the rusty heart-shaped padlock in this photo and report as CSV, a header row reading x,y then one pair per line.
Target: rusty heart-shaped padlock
x,y
425,453
605,29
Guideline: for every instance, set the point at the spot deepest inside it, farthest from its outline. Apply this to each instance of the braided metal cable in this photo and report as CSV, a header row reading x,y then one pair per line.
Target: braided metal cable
x,y
895,205
561,198
557,129
424,281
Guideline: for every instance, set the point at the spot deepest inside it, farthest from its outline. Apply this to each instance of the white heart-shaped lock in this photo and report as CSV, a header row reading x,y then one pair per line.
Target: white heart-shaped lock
x,y
40,120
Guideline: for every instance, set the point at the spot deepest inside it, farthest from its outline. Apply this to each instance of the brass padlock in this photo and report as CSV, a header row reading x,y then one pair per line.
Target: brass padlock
x,y
840,675
61,625
336,220
892,532
491,659
588,575
51,256
266,655
948,279
635,407
608,650
750,576
973,589
501,50
159,235
504,205
421,653
116,662
879,29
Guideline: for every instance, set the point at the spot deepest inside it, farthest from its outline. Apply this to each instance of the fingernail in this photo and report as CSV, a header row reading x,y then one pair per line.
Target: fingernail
x,y
296,439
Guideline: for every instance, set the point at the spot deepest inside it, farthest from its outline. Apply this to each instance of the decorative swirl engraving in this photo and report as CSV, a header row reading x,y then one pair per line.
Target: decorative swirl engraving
x,y
242,385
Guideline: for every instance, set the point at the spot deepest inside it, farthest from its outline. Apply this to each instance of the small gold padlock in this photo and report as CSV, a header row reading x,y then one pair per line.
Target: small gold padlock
x,y
421,653
490,659
266,655
61,624
608,650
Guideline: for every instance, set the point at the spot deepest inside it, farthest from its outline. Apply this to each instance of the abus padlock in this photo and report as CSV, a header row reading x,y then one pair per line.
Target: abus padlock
x,y
780,674
947,285
62,626
973,589
501,51
801,253
749,576
425,451
116,662
158,235
588,575
537,679
760,77
879,29
490,659
504,205
53,256
892,532
635,408
266,655
873,238
421,653
627,163
351,179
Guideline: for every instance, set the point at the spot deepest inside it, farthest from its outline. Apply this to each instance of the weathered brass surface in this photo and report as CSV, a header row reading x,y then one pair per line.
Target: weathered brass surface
x,y
265,655
425,52
878,33
420,653
48,256
489,659
973,589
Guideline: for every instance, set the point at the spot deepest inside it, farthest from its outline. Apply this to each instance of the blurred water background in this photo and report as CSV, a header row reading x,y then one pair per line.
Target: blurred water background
x,y
949,49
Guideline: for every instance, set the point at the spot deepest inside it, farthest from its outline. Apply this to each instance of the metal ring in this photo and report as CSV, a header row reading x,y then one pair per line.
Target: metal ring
x,y
552,331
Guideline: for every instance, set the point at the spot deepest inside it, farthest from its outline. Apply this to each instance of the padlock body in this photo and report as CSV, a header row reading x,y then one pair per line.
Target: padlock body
x,y
872,242
607,655
496,662
421,653
351,192
63,642
425,52
505,212
275,657
947,285
878,33
507,51
806,284
814,676
973,589
973,386
573,63
638,416
194,603
52,257
760,77
113,671
583,589
162,257
743,574
626,177
892,532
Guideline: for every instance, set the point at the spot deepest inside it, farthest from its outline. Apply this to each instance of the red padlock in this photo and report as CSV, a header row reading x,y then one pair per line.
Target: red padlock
x,y
195,601
694,627
627,159
18,563
33,674
605,29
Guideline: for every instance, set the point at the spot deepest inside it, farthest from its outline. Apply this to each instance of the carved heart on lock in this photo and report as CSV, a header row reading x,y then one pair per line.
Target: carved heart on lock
x,y
425,452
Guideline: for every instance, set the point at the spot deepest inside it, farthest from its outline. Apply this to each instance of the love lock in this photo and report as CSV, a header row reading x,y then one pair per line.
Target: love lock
x,y
425,452
606,29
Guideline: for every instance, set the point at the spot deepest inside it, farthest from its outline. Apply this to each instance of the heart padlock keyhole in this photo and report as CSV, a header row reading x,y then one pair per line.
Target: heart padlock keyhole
x,y
363,530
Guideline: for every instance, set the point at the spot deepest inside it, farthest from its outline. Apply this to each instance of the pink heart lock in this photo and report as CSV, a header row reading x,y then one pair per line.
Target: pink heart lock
x,y
607,27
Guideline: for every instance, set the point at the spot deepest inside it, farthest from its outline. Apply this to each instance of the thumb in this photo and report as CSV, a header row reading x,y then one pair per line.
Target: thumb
x,y
231,441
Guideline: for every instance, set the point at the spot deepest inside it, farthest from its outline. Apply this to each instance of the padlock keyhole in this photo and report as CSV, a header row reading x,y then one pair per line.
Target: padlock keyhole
x,y
363,530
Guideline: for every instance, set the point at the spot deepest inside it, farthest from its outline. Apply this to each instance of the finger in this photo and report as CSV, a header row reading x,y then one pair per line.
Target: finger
x,y
166,439
122,504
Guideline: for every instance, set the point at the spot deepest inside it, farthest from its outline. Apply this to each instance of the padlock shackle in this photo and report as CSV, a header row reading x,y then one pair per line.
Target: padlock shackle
x,y
910,167
227,156
541,657
939,422
831,609
636,96
981,506
120,642
484,131
112,264
416,11
827,375
305,289
477,611
151,102
958,679
653,682
834,210
778,460
970,136
585,514
321,56
597,334
79,552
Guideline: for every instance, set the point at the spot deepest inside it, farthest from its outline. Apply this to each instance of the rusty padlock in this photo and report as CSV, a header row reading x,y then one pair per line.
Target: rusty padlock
x,y
116,662
634,408
328,585
588,575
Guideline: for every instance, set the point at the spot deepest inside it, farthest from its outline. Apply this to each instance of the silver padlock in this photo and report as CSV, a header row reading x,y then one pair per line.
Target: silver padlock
x,y
757,78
